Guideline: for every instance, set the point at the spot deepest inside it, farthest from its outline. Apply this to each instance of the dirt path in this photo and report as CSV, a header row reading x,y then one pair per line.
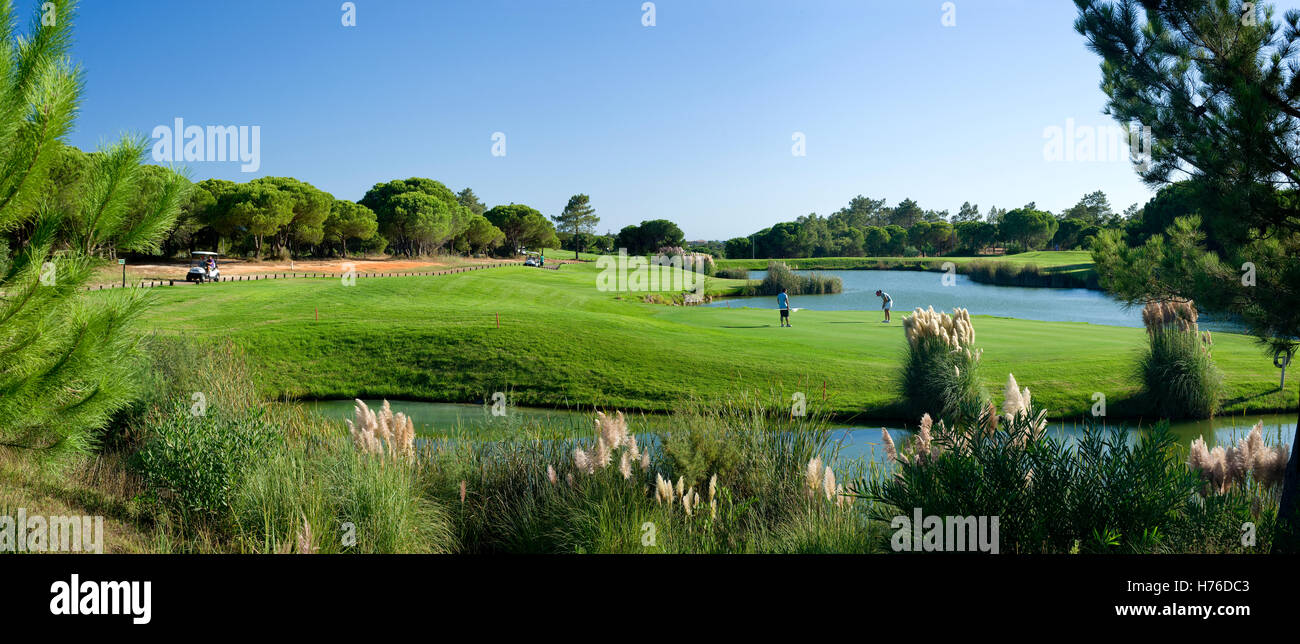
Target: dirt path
x,y
175,270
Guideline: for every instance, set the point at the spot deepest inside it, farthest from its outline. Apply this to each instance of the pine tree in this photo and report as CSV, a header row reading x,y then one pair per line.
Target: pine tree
x,y
578,219
67,360
1218,85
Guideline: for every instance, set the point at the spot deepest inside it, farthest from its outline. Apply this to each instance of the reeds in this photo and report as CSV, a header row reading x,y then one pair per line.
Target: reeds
x,y
382,433
1250,459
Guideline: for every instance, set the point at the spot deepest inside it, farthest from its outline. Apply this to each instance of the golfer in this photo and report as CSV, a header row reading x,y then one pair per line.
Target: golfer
x,y
886,303
783,303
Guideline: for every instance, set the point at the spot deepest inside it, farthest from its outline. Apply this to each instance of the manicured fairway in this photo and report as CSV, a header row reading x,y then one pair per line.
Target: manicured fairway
x,y
563,343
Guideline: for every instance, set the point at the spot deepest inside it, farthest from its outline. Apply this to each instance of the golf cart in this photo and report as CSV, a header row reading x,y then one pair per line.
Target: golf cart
x,y
203,267
534,259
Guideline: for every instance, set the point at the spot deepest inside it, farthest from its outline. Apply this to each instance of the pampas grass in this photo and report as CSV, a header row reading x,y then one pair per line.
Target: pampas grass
x,y
1180,379
940,373
382,433
1251,459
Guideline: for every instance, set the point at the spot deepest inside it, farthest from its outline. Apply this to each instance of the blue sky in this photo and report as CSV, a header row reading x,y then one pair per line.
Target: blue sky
x,y
690,120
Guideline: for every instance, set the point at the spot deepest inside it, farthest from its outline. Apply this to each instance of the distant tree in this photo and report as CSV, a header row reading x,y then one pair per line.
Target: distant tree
x,y
259,209
480,236
968,212
875,241
852,242
1067,233
470,200
862,212
906,214
1093,208
897,239
649,236
417,215
578,219
737,248
1032,228
523,227
310,207
349,220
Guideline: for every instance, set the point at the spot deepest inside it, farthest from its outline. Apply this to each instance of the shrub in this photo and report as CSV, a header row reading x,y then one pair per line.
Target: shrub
x,y
1104,492
194,462
1177,370
940,374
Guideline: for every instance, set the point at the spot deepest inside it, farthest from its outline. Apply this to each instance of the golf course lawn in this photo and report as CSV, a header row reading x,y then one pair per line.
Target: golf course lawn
x,y
562,343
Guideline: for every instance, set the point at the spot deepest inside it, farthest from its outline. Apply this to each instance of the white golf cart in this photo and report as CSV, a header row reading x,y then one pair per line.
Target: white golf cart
x,y
203,267
534,259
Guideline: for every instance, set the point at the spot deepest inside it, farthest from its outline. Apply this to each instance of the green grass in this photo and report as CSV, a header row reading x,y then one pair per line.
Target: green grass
x,y
562,343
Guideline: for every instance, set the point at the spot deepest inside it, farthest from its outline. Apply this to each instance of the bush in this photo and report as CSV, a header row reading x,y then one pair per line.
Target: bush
x,y
195,463
1102,493
733,273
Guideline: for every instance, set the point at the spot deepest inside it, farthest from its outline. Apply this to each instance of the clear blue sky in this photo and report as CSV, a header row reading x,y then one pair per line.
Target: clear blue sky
x,y
689,120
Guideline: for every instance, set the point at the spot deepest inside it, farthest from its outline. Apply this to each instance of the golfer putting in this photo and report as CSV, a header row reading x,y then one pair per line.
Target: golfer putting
x,y
783,303
887,303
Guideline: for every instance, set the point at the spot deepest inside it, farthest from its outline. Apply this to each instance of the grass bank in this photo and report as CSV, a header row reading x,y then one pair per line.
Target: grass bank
x,y
562,343
1049,269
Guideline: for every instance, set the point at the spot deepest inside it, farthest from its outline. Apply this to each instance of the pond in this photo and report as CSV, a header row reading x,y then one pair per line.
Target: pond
x,y
476,421
919,289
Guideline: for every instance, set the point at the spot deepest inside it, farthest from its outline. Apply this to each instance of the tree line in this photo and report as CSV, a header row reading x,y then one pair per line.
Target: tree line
x,y
869,227
287,217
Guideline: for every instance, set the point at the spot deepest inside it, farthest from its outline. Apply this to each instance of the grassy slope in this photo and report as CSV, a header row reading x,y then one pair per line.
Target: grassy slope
x,y
563,343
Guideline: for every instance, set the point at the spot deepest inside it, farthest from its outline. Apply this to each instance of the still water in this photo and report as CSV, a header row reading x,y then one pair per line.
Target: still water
x,y
916,289
441,419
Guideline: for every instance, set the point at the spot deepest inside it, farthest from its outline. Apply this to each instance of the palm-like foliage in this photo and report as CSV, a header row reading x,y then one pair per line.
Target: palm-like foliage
x,y
66,361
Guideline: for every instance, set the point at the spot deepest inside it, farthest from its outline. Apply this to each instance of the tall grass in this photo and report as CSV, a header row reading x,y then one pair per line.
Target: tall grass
x,y
345,499
733,273
940,374
1177,370
779,276
733,473
1105,492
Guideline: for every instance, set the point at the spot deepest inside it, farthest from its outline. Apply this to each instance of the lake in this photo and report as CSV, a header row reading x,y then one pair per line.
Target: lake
x,y
919,289
476,421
